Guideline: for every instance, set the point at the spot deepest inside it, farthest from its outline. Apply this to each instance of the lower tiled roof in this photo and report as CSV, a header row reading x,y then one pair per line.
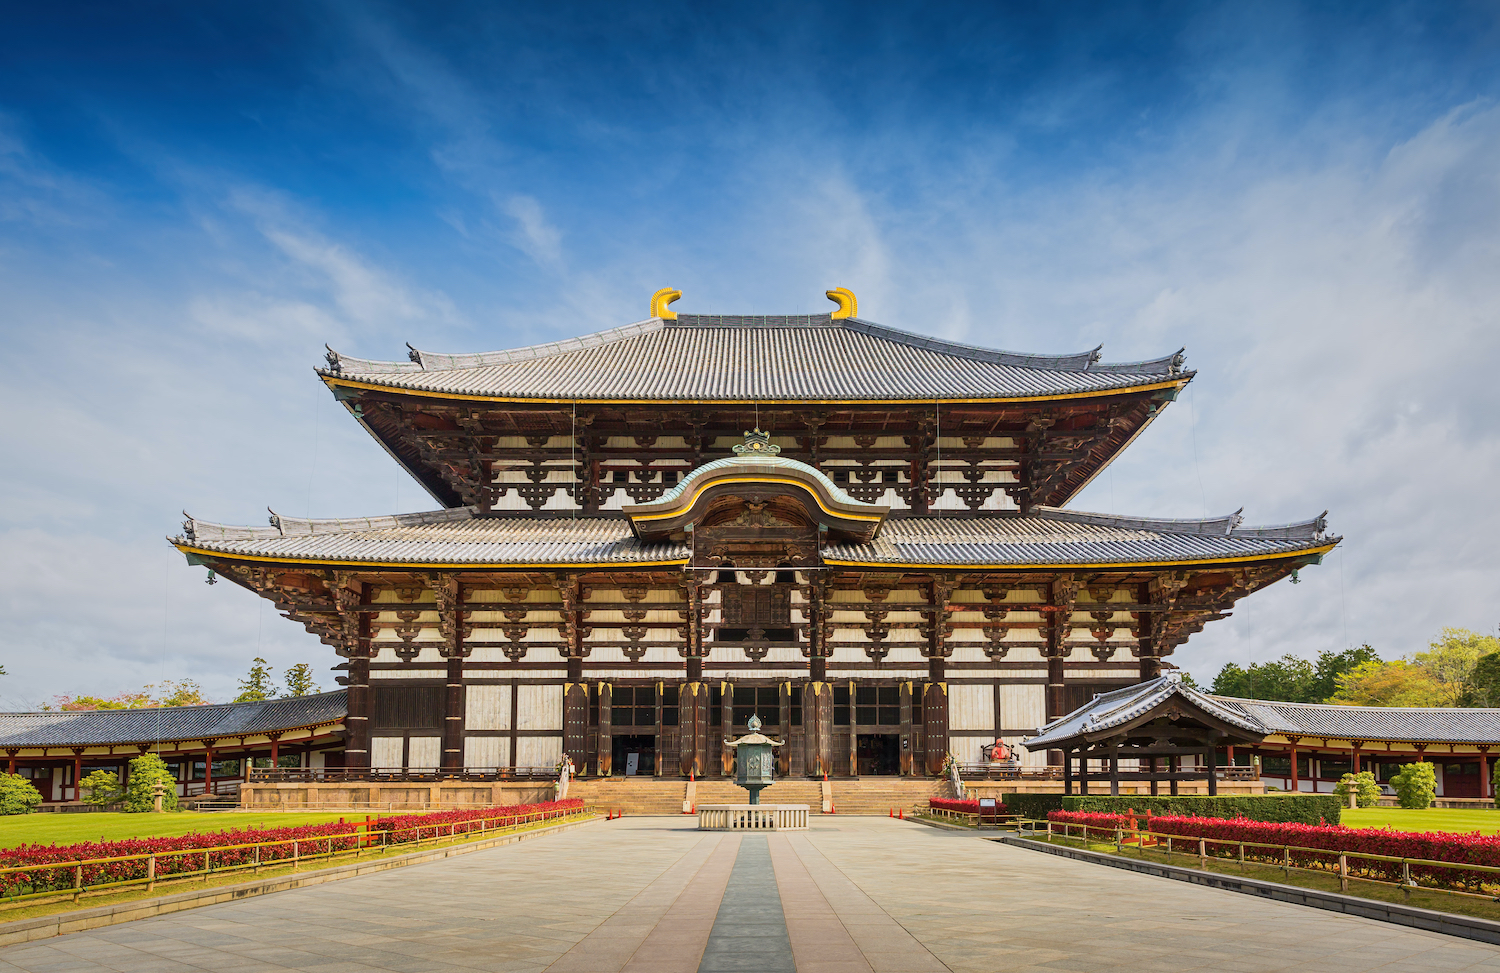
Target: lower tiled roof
x,y
1372,723
168,723
1048,537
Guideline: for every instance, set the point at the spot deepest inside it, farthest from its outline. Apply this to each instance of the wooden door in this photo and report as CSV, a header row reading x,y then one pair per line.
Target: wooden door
x,y
784,719
576,724
692,725
908,744
935,725
606,738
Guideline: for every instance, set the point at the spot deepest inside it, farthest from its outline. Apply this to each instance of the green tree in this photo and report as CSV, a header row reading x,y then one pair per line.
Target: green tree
x,y
1331,665
1398,683
257,684
299,681
17,796
1451,659
1366,790
145,770
1484,682
1289,679
1416,785
103,787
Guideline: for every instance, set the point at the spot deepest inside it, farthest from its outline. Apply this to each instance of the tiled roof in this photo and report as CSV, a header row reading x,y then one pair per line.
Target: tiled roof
x,y
443,537
1048,537
1055,536
96,727
766,358
1119,707
1406,725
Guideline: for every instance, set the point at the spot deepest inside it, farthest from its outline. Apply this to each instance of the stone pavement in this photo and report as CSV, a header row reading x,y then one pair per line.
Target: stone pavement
x,y
853,895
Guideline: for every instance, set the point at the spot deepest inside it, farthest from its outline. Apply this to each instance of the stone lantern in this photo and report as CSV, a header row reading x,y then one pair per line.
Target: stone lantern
x,y
754,760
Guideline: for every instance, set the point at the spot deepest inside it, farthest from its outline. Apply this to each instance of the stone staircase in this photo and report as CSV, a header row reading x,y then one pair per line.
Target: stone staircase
x,y
878,795
632,795
649,795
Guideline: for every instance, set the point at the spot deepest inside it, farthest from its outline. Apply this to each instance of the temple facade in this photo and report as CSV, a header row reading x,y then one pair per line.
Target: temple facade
x,y
648,535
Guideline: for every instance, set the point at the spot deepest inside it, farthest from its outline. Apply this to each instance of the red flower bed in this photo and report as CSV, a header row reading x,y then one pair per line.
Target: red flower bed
x,y
173,855
1319,845
185,853
954,804
409,827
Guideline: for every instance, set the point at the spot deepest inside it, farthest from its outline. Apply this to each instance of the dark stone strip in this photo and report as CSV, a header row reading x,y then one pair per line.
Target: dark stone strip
x,y
749,934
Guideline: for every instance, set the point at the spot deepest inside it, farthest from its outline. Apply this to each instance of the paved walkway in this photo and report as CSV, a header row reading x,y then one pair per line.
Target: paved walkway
x,y
853,895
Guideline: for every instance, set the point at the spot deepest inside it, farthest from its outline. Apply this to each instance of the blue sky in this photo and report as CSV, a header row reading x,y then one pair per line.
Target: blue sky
x,y
194,198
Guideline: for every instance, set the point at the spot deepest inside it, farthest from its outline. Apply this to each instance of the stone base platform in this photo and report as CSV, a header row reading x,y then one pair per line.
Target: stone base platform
x,y
390,796
752,817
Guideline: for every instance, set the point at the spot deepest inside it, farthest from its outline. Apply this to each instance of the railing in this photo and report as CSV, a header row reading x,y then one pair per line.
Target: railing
x,y
392,775
57,880
752,817
1322,860
999,771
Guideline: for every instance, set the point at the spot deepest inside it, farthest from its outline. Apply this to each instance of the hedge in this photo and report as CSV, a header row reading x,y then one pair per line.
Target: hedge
x,y
1318,846
1286,808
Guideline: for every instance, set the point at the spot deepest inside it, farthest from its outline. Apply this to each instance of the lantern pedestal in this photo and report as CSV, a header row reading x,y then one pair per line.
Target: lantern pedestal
x,y
752,817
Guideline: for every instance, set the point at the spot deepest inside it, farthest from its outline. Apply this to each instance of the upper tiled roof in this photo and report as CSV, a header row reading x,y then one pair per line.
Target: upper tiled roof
x,y
1120,706
1048,537
766,358
1396,724
105,726
1055,536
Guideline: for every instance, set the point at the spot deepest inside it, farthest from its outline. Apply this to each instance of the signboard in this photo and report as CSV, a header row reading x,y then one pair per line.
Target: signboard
x,y
988,802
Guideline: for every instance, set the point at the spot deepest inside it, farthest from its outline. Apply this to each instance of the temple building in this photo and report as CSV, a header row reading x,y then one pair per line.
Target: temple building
x,y
645,536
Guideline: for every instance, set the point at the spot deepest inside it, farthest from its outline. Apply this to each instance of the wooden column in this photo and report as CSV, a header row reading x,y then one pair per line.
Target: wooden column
x,y
1059,616
1067,765
575,690
208,767
817,629
275,749
1083,771
1293,742
1212,754
1172,764
355,645
817,727
10,763
693,649
1114,771
77,774
1151,769
1486,787
692,726
1354,761
935,691
451,621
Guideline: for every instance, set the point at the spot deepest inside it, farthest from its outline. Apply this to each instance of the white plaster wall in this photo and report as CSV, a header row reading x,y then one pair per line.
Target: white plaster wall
x,y
971,708
385,752
487,708
425,752
538,751
539,708
486,752
1023,707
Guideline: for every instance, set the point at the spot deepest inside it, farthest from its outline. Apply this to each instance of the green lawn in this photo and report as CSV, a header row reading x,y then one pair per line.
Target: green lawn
x,y
1431,819
62,829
